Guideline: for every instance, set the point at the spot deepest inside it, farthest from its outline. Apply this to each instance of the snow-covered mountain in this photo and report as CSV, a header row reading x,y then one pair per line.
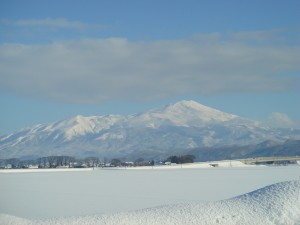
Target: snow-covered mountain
x,y
157,133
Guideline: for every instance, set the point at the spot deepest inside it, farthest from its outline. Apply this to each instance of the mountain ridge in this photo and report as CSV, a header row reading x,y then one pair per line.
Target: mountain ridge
x,y
179,126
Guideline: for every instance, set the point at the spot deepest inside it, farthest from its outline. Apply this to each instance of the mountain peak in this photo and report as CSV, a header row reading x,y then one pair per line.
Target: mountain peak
x,y
195,111
182,125
188,104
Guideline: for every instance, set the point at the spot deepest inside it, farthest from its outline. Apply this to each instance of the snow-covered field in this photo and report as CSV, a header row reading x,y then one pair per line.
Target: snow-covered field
x,y
185,195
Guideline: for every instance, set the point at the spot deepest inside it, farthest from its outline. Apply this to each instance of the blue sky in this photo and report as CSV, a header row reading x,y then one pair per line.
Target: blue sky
x,y
68,57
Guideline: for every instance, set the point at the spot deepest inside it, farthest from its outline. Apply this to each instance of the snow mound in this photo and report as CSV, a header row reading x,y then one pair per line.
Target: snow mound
x,y
275,204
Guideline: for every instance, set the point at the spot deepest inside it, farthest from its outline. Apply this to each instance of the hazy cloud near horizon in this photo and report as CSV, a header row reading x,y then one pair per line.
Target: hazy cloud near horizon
x,y
56,23
277,119
96,70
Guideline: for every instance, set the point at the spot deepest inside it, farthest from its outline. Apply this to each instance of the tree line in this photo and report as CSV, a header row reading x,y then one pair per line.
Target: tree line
x,y
69,161
181,159
50,162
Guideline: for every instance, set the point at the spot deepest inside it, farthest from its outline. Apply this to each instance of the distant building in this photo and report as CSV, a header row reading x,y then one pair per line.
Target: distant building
x,y
33,167
8,166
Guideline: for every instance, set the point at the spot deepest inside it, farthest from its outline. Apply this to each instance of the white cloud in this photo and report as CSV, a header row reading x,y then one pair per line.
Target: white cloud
x,y
275,36
59,23
95,70
258,36
281,120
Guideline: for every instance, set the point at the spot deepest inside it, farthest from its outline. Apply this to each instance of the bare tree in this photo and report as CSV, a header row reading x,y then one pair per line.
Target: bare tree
x,y
91,161
116,162
14,162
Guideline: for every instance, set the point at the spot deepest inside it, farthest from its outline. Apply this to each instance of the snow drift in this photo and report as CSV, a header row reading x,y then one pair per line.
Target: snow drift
x,y
275,204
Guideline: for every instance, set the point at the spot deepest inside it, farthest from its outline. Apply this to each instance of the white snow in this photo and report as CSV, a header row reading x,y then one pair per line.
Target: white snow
x,y
183,113
224,163
185,124
275,204
200,111
81,125
158,195
37,170
108,135
209,139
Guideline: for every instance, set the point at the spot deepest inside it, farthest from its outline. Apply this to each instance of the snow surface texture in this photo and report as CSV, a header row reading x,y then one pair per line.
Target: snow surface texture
x,y
47,195
38,170
274,204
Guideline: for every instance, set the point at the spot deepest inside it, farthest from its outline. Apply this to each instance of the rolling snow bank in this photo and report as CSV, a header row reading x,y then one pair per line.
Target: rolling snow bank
x,y
274,204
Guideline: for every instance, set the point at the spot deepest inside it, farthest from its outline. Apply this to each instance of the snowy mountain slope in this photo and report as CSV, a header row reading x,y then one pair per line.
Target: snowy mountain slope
x,y
184,113
153,134
276,204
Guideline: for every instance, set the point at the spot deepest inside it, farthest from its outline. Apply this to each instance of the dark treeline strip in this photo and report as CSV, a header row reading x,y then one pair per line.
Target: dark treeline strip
x,y
49,162
72,162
